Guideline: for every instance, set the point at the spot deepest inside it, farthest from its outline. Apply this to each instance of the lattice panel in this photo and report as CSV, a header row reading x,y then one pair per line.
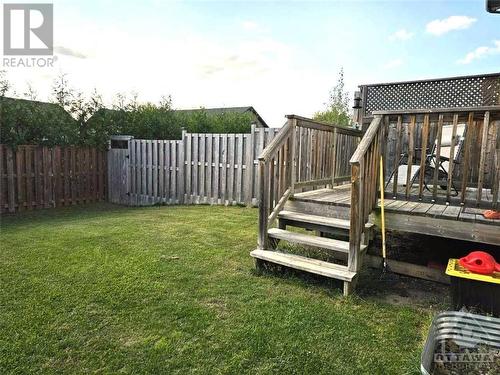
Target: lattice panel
x,y
450,93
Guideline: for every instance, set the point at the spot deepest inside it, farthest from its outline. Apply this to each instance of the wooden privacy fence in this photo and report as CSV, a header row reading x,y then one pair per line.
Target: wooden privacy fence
x,y
33,177
198,169
216,168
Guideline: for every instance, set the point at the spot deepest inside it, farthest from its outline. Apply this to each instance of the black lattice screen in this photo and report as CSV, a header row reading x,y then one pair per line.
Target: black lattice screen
x,y
461,92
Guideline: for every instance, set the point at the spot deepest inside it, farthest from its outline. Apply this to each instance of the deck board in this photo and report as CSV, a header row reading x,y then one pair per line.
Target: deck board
x,y
341,196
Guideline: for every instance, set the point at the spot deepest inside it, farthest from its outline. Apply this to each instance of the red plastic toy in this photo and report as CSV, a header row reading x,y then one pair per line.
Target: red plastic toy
x,y
480,262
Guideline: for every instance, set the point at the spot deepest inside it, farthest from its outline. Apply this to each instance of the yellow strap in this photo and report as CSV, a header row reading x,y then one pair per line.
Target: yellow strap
x,y
382,205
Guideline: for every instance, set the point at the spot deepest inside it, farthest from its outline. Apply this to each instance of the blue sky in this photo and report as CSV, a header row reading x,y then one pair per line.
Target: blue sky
x,y
281,57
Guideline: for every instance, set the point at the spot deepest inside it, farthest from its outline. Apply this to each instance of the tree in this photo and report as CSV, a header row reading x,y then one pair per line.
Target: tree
x,y
61,91
4,83
337,109
30,93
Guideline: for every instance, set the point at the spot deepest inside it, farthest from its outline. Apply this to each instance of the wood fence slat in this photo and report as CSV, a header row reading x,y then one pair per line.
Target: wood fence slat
x,y
189,142
161,171
95,196
154,167
11,193
230,166
168,191
29,177
239,170
223,175
249,171
209,185
178,171
21,194
58,188
201,156
216,156
46,177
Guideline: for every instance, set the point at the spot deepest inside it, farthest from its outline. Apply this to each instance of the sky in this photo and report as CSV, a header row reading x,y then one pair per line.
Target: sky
x,y
280,57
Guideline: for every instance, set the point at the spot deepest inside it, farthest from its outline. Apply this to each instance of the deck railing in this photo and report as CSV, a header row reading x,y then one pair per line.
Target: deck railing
x,y
304,154
456,166
364,185
421,163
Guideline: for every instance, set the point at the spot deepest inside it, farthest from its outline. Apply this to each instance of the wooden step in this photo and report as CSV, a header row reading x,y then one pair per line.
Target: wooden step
x,y
318,208
315,241
298,262
317,220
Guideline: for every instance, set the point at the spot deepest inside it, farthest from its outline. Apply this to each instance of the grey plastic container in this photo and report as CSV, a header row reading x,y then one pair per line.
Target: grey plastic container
x,y
465,329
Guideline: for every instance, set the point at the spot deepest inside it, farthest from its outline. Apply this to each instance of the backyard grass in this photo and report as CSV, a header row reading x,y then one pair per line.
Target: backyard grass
x,y
107,289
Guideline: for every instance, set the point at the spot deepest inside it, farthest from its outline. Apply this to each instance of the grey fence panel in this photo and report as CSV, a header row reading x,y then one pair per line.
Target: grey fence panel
x,y
198,169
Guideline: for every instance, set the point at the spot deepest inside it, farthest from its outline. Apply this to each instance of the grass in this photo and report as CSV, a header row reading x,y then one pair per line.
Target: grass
x,y
106,289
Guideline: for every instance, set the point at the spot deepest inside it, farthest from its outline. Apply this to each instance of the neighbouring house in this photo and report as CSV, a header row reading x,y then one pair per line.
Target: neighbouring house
x,y
35,122
259,121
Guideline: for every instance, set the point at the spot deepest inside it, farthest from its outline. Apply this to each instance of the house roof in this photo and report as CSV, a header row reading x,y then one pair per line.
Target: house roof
x,y
44,106
33,102
222,110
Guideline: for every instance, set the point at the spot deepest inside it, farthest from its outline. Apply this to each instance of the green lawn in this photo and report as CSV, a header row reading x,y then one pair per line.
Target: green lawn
x,y
106,289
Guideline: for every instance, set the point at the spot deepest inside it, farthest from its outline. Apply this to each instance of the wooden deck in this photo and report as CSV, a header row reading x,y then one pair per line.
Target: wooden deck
x,y
459,222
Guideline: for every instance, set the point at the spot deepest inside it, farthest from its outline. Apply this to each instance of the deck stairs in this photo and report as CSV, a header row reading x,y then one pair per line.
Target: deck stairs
x,y
326,229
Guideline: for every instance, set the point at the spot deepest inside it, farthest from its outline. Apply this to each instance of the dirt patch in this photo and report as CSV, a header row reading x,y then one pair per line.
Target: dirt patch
x,y
401,290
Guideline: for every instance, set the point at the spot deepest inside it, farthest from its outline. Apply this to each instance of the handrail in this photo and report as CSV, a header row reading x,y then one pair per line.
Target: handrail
x,y
276,142
325,126
367,140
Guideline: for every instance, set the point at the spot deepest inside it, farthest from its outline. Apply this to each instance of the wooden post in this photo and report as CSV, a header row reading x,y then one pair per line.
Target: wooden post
x,y
356,216
294,171
263,204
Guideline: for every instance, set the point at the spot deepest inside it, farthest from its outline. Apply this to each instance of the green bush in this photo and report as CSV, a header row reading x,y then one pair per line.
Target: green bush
x,y
31,122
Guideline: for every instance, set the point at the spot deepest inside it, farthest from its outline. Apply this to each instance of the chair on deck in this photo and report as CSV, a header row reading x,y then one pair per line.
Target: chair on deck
x,y
432,161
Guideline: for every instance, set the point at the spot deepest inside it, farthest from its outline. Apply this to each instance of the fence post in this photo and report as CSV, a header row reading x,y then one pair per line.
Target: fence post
x,y
181,161
249,169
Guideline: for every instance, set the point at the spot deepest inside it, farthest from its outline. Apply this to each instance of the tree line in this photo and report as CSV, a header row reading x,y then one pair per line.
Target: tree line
x,y
71,118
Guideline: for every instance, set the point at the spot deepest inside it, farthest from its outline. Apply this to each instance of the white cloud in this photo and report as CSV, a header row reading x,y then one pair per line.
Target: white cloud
x,y
393,63
402,34
440,27
481,52
250,25
195,69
